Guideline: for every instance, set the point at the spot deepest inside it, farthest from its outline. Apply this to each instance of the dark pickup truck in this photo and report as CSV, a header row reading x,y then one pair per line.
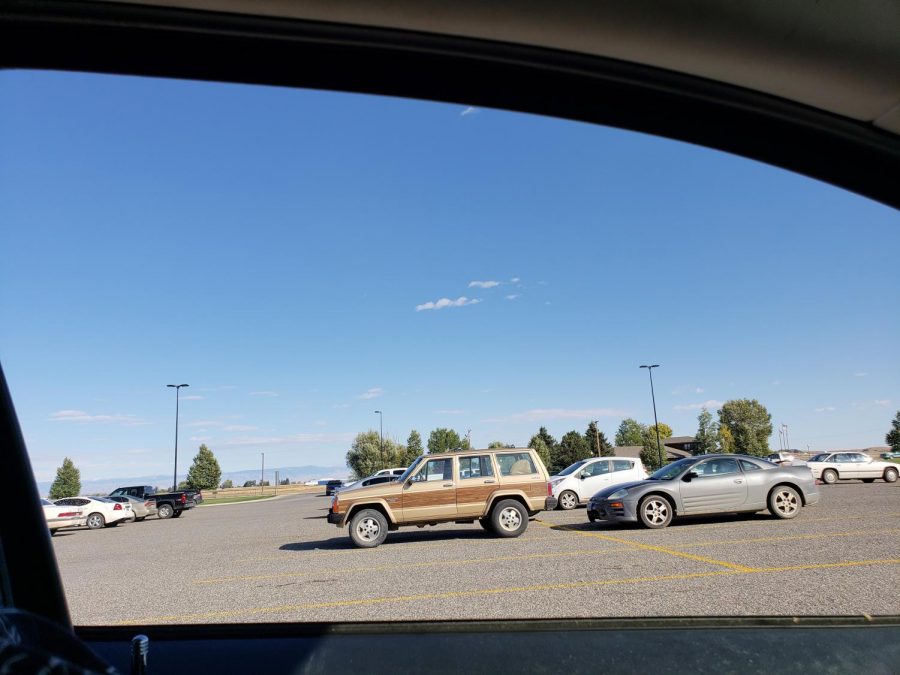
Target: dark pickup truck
x,y
168,504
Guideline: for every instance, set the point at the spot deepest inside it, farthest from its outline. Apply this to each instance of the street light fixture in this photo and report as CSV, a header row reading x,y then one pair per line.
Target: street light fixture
x,y
655,421
177,388
381,426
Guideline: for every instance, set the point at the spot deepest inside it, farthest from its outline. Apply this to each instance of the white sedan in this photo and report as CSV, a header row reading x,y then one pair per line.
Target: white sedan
x,y
99,511
577,483
59,517
834,466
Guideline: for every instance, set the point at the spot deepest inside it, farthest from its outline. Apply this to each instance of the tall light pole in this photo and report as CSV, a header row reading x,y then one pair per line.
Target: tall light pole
x,y
381,426
262,474
177,388
655,421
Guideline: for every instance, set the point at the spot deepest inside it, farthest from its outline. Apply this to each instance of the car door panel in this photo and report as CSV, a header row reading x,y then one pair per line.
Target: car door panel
x,y
431,492
598,478
714,491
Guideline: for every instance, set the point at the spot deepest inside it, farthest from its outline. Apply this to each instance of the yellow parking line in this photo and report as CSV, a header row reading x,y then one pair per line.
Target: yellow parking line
x,y
495,591
794,537
433,563
659,549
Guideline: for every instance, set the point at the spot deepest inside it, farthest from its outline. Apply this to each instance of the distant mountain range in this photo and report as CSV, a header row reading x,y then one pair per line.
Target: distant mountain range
x,y
294,473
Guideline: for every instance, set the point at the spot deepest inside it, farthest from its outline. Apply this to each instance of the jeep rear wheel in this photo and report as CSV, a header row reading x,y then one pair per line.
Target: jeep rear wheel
x,y
509,518
368,528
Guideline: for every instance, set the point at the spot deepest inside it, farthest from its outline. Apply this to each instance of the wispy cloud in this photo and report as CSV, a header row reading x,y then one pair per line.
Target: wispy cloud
x,y
81,417
882,402
374,392
513,296
827,408
449,411
193,397
539,414
860,374
264,393
483,284
711,405
239,427
469,111
203,423
461,301
515,280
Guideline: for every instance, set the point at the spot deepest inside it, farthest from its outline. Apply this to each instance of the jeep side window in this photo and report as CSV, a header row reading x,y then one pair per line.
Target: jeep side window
x,y
435,469
515,464
475,467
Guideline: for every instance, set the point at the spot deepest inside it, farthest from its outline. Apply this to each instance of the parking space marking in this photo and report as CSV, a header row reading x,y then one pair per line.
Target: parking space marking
x,y
794,537
657,549
432,563
498,591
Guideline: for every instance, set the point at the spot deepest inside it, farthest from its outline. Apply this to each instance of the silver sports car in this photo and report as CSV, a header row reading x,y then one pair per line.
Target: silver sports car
x,y
704,485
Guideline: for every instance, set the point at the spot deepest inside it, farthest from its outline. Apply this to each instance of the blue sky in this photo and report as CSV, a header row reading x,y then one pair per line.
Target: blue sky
x,y
278,250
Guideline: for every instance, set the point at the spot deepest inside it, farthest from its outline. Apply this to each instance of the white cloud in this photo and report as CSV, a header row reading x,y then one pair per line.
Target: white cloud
x,y
560,413
513,296
462,301
468,111
239,427
450,411
264,393
193,397
515,280
374,392
710,405
827,408
883,402
81,417
483,284
698,390
859,374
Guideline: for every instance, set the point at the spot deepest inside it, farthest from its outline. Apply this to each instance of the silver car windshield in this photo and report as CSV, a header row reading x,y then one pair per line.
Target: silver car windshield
x,y
674,469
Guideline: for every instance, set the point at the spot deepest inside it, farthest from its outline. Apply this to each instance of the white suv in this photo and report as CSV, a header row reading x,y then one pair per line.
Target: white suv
x,y
576,484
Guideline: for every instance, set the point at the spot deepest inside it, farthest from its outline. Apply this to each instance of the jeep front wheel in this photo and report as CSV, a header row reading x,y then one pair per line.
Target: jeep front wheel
x,y
509,518
368,528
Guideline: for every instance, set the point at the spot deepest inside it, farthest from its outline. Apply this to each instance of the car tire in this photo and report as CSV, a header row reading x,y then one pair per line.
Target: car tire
x,y
177,514
890,475
568,500
509,518
165,511
784,502
138,520
95,521
868,480
829,476
591,517
486,524
368,528
655,512
112,524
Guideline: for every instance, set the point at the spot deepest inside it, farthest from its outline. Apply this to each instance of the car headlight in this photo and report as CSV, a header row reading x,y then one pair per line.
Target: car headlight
x,y
618,494
556,481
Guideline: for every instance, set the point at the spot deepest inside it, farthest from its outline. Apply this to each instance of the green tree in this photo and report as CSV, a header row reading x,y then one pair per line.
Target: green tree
x,y
540,447
364,457
286,481
413,449
204,473
707,431
630,432
499,444
67,482
750,424
597,441
665,431
650,455
725,438
571,448
892,438
445,440
227,484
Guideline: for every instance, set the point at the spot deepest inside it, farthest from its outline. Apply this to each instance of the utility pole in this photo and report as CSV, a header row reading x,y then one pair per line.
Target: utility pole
x,y
381,427
177,388
655,421
597,436
262,473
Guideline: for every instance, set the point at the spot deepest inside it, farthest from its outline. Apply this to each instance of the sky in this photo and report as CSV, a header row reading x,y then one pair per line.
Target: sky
x,y
304,258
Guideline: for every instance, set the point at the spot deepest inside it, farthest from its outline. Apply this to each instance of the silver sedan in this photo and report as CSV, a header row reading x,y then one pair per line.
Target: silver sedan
x,y
705,485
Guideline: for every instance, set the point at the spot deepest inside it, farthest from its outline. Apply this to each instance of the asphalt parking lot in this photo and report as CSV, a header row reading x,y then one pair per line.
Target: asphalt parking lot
x,y
279,560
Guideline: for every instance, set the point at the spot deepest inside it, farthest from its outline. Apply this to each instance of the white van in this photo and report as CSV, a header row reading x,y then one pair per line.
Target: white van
x,y
579,482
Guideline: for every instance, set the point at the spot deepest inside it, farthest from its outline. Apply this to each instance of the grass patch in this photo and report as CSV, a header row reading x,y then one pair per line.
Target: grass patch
x,y
232,500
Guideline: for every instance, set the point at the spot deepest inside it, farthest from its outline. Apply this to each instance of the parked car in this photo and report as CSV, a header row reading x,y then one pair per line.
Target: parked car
x,y
374,479
168,504
576,484
331,486
60,516
396,471
141,508
499,488
834,466
781,457
706,485
890,455
99,511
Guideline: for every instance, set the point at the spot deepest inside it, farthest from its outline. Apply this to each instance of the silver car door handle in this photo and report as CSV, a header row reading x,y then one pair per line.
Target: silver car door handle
x,y
448,484
490,481
738,480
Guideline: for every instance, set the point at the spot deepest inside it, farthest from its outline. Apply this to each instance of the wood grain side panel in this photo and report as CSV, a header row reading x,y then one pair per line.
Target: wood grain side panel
x,y
414,500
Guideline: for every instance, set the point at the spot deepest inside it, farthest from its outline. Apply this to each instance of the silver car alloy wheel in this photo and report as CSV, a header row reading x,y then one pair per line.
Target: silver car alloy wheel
x,y
368,529
568,500
786,502
510,519
656,511
94,521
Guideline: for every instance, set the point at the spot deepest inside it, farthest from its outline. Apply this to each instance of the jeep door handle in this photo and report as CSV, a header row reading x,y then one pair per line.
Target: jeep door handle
x,y
490,481
448,484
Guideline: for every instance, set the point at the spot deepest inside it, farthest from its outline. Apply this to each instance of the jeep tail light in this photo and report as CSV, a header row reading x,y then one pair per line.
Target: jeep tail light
x,y
549,490
117,507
